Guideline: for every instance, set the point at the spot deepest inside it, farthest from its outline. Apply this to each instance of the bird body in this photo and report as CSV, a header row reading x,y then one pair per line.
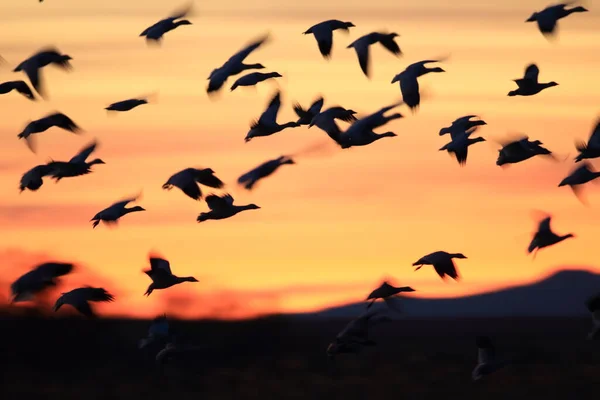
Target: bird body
x,y
388,293
80,299
57,119
529,84
254,78
19,86
409,83
265,169
545,237
547,19
126,105
38,279
190,179
112,214
45,57
362,44
323,33
222,207
267,124
162,277
442,263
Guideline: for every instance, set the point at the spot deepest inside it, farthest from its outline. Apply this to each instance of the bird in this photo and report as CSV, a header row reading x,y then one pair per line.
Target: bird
x,y
409,83
234,65
249,179
57,119
76,166
34,178
520,149
19,86
582,174
360,133
356,334
306,116
361,46
44,57
161,275
461,125
80,299
267,124
593,305
190,179
544,237
222,207
529,84
459,146
155,32
158,332
323,33
547,19
111,215
442,263
486,359
126,105
388,293
253,78
39,278
591,149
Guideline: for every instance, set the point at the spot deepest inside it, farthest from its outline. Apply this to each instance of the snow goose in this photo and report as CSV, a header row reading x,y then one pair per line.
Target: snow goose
x,y
529,85
222,207
459,146
461,125
234,65
162,277
356,334
158,331
593,305
306,116
57,119
111,215
126,105
591,149
544,237
442,263
19,86
253,78
190,179
582,174
547,19
265,169
267,124
389,294
361,46
155,32
520,149
39,278
323,33
34,178
486,359
80,299
33,64
77,165
409,83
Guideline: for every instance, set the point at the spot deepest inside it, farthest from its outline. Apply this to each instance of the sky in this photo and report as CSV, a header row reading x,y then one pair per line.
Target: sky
x,y
335,225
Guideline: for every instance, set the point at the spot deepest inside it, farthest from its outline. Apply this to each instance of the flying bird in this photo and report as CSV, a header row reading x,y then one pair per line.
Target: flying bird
x,y
112,214
57,119
157,332
39,278
545,237
19,86
582,174
253,78
459,146
486,359
547,19
409,83
33,64
76,166
267,124
155,32
126,105
306,116
34,178
593,305
80,299
591,149
249,179
389,294
362,44
190,179
460,125
162,277
442,263
323,33
529,84
520,149
356,334
222,207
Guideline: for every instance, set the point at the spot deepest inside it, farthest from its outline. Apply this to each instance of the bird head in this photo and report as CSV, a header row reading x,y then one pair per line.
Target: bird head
x,y
458,255
97,161
533,17
253,207
551,84
564,182
184,22
249,136
137,208
349,24
202,217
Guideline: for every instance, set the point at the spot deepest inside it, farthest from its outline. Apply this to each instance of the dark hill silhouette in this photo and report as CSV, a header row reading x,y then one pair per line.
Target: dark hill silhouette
x,y
559,295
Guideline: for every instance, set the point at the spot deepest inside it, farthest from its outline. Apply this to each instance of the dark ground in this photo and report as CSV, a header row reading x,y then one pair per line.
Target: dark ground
x,y
283,358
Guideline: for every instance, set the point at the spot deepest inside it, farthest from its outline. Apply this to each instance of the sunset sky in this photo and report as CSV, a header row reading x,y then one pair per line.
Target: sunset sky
x,y
332,227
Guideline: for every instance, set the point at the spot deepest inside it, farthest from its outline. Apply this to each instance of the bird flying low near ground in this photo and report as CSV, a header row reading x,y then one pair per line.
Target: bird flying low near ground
x,y
76,166
222,207
591,149
157,332
459,146
356,334
306,116
389,294
545,237
234,65
267,124
362,44
155,33
547,19
34,178
249,179
442,263
190,179
162,277
253,78
80,299
409,83
39,278
39,60
593,305
519,148
529,85
323,33
460,125
20,86
486,359
57,119
584,173
111,215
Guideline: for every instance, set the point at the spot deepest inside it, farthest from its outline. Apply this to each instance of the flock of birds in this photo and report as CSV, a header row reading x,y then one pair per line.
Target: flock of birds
x,y
359,133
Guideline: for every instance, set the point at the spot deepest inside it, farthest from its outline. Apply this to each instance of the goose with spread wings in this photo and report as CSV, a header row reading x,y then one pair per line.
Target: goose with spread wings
x,y
126,105
190,179
362,44
80,299
356,334
162,277
267,124
487,361
250,178
591,149
112,214
323,33
76,166
222,207
462,124
19,86
56,119
519,149
154,33
584,173
459,146
545,237
442,263
39,278
254,78
547,19
529,85
409,82
389,294
44,57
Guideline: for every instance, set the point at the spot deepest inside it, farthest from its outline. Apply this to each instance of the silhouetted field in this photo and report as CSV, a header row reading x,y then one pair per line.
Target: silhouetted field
x,y
284,358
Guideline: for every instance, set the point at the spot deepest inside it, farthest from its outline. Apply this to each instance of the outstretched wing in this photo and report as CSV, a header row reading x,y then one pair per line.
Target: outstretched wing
x,y
594,140
217,203
97,294
84,154
486,351
324,37
531,73
62,121
245,52
123,203
159,264
52,270
544,226
269,116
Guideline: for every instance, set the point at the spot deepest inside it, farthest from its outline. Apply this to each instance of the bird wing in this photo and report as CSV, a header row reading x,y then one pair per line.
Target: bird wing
x,y
544,225
486,351
593,304
446,267
409,87
159,327
97,294
123,203
33,73
242,54
269,116
547,25
206,177
62,121
594,140
217,203
316,106
463,120
390,44
52,270
531,73
84,154
84,307
461,154
324,36
24,89
159,264
181,12
362,51
395,303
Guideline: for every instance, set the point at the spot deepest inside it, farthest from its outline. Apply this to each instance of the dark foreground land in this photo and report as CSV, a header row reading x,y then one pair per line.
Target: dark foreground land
x,y
284,358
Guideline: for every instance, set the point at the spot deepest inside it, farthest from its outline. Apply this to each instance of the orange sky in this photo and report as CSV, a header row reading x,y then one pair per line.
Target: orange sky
x,y
336,224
